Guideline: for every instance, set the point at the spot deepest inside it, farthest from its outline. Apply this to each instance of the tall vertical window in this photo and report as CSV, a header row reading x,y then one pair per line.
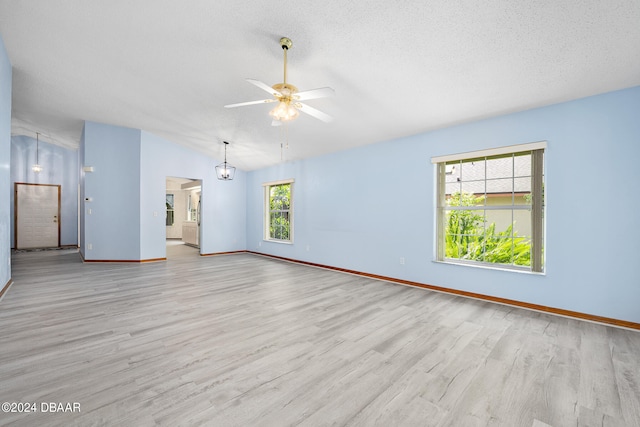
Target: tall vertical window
x,y
279,211
170,213
490,208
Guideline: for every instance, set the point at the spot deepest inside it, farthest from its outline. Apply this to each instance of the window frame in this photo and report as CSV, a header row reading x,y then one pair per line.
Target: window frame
x,y
538,211
170,211
267,210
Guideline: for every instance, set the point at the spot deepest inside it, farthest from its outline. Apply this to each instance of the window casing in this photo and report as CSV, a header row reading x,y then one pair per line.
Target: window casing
x,y
278,221
490,207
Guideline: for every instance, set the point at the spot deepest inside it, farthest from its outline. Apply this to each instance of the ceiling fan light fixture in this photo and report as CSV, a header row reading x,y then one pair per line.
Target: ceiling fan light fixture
x,y
284,111
224,171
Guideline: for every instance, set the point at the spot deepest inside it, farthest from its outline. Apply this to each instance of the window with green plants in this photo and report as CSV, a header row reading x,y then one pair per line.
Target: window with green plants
x,y
490,208
279,211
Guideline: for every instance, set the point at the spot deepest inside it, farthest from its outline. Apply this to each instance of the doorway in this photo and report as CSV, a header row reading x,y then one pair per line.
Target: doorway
x,y
37,215
183,216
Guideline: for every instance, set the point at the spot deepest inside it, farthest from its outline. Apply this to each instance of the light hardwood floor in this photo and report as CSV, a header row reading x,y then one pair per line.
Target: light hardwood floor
x,y
244,340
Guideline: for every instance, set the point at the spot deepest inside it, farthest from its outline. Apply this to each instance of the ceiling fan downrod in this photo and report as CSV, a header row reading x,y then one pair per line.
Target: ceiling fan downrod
x,y
286,44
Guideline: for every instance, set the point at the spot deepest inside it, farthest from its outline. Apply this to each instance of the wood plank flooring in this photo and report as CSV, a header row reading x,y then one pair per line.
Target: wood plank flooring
x,y
243,340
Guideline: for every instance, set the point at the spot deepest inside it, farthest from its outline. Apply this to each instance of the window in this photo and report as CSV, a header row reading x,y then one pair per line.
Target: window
x,y
490,207
170,213
279,211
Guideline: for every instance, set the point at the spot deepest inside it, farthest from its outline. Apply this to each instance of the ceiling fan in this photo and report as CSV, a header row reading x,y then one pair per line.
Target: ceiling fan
x,y
288,97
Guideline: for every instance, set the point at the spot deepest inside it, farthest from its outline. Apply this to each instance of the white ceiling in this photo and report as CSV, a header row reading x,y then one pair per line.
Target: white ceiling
x,y
398,68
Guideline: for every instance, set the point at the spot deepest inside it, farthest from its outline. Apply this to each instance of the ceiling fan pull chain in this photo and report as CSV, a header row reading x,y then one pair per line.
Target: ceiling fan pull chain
x,y
286,131
284,140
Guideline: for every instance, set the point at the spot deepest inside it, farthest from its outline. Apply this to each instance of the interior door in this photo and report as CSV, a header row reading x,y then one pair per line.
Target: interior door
x,y
37,216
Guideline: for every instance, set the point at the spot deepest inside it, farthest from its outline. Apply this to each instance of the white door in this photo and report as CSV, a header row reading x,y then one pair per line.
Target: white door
x,y
37,216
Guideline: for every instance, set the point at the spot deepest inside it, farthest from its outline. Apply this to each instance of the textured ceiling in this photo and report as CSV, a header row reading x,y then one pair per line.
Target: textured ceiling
x,y
398,68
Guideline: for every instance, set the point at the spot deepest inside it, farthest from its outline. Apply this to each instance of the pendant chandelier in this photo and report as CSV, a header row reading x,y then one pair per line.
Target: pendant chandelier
x,y
37,168
225,171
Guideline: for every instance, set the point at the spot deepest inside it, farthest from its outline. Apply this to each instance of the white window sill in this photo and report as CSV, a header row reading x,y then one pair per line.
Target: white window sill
x,y
491,267
285,242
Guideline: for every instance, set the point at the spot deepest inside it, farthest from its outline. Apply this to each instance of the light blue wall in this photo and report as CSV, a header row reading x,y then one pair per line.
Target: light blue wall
x,y
5,158
60,167
363,209
223,202
113,227
128,191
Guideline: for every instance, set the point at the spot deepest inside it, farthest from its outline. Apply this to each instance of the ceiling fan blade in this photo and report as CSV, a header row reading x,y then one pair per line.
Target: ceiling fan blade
x,y
242,104
313,112
265,87
322,92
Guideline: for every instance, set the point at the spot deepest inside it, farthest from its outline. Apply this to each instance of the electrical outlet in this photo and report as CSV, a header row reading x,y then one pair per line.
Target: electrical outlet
x,y
402,260
259,244
89,211
308,248
89,246
155,213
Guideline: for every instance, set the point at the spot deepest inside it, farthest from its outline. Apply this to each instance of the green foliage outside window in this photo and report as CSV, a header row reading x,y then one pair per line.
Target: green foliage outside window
x,y
279,211
467,238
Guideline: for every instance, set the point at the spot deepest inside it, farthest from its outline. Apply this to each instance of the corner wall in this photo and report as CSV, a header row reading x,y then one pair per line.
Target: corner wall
x,y
112,215
353,212
125,218
5,166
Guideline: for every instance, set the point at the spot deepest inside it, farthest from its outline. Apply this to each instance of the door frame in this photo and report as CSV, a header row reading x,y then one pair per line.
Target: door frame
x,y
15,209
187,184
